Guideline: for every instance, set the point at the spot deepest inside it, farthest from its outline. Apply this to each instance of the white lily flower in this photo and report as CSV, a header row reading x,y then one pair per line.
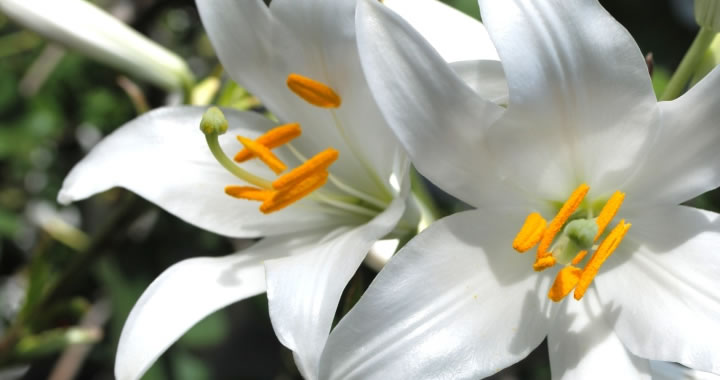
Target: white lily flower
x,y
80,25
581,125
300,58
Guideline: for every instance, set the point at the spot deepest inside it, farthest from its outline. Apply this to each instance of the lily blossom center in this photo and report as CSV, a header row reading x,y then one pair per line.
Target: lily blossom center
x,y
284,190
580,233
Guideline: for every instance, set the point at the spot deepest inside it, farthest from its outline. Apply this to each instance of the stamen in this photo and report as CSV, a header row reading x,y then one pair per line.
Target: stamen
x,y
262,152
565,281
579,257
286,197
313,92
606,248
316,164
249,193
543,263
608,212
562,216
272,139
530,233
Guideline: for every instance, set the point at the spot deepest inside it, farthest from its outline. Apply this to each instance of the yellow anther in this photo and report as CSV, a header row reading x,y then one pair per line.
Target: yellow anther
x,y
542,263
317,164
264,154
579,257
249,193
565,281
286,197
606,248
530,233
559,220
273,138
313,92
608,212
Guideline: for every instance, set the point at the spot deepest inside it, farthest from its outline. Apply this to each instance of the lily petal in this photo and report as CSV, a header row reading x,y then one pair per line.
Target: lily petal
x,y
581,79
583,345
304,290
457,282
685,160
485,77
429,108
664,279
163,157
188,292
455,35
672,371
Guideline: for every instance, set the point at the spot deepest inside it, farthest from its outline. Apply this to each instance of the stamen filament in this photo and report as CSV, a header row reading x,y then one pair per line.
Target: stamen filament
x,y
273,138
579,257
313,92
559,220
264,154
608,212
316,164
343,186
565,281
606,248
248,192
287,196
530,233
214,145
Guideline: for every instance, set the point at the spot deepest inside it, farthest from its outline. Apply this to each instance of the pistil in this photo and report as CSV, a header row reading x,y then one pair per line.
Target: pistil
x,y
571,248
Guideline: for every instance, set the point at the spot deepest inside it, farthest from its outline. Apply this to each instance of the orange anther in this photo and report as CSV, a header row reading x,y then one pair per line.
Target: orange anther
x,y
313,92
248,192
530,233
264,154
272,139
565,281
316,164
542,263
606,248
559,220
608,212
290,195
579,257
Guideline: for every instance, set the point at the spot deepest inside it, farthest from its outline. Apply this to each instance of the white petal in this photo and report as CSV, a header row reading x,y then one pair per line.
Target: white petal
x,y
163,157
685,160
84,27
664,279
455,35
440,120
188,292
485,77
581,102
456,302
260,47
583,345
304,290
672,371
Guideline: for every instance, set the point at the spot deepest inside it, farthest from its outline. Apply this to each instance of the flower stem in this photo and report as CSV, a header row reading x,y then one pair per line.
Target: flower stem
x,y
219,154
689,64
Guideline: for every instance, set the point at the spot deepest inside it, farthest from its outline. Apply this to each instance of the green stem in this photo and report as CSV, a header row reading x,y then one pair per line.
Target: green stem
x,y
419,189
219,154
689,64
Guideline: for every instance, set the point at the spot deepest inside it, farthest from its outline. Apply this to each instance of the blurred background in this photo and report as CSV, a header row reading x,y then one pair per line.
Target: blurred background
x,y
80,268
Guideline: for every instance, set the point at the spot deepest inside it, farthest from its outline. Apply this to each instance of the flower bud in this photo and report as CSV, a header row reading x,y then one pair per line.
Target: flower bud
x,y
81,26
213,122
707,14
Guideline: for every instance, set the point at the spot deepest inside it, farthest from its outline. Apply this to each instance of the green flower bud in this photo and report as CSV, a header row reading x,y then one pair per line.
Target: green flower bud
x,y
582,232
213,122
707,14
